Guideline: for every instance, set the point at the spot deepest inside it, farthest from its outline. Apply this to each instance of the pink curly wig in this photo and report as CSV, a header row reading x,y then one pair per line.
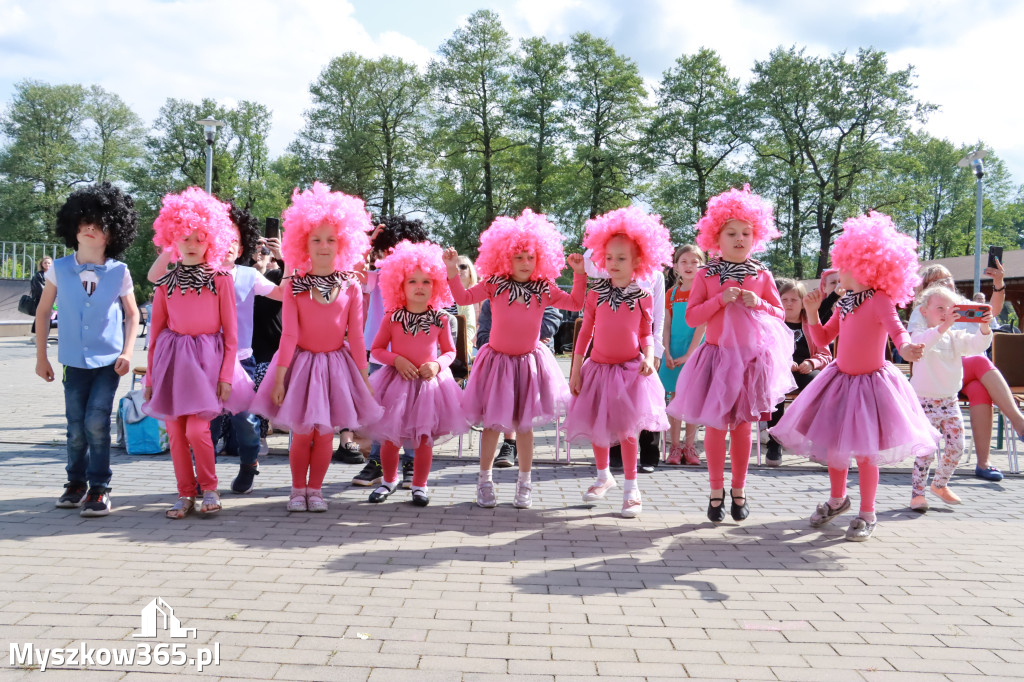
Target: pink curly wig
x,y
194,211
650,238
405,259
320,206
507,237
878,256
736,205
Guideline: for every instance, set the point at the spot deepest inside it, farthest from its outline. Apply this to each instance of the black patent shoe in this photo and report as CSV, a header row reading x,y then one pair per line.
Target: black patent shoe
x,y
739,511
381,493
420,498
716,514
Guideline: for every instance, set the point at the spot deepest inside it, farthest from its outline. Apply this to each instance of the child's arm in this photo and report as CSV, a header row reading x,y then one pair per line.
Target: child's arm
x,y
354,333
159,267
645,334
701,308
131,332
698,338
579,351
477,294
573,300
890,320
157,323
430,369
43,309
769,300
666,340
229,328
289,340
382,354
264,287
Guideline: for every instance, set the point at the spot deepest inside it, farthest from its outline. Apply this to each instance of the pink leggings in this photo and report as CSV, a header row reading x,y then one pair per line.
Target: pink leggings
x,y
422,458
739,455
629,456
975,367
309,456
192,432
867,473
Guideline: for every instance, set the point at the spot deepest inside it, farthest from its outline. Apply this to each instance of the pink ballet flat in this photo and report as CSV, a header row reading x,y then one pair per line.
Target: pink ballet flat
x,y
675,456
598,490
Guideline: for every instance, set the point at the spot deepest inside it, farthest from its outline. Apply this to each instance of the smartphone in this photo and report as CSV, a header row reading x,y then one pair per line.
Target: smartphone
x,y
971,312
995,253
273,229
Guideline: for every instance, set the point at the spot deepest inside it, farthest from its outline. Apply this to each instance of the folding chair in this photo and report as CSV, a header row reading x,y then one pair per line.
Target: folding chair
x,y
1007,352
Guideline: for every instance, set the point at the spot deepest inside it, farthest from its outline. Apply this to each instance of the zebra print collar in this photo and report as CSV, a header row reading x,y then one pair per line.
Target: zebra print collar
x,y
413,323
520,291
850,302
616,296
727,270
189,278
325,284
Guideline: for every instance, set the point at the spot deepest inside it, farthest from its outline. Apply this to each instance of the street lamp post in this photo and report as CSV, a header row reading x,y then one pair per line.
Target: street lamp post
x,y
210,126
973,161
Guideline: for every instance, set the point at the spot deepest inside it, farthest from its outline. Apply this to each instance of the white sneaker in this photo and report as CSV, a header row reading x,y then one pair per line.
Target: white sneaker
x,y
524,495
485,495
264,448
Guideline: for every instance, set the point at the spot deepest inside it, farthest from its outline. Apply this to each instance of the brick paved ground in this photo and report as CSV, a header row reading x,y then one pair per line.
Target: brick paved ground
x,y
560,592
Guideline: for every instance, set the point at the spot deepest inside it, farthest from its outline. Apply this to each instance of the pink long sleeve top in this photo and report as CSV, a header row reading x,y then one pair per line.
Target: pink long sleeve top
x,y
706,306
622,332
318,327
194,313
393,340
515,325
862,348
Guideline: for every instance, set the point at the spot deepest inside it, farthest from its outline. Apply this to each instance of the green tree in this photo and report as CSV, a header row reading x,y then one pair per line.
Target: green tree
x,y
44,159
472,85
605,104
700,124
114,136
537,105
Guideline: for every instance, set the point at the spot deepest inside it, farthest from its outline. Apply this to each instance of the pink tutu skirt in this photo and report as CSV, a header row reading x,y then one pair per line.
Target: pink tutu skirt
x,y
185,374
743,377
515,392
416,408
841,416
323,391
615,400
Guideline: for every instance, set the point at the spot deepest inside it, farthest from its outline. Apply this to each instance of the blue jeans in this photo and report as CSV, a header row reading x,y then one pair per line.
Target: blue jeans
x,y
242,429
407,452
88,404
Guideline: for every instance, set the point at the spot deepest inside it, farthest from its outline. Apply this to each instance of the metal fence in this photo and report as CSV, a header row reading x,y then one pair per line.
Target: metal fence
x,y
19,260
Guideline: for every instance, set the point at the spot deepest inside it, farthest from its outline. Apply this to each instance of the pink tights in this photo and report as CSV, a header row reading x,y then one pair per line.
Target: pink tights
x,y
739,455
187,435
422,458
867,474
629,457
309,456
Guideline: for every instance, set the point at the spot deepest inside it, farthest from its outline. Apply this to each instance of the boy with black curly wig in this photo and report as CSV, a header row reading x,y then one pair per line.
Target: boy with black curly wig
x,y
99,322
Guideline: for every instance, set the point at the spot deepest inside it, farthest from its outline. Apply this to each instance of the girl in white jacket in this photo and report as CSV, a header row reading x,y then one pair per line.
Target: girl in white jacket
x,y
937,377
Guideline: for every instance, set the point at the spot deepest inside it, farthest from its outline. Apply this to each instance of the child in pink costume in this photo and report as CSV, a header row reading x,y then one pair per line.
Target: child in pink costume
x,y
743,368
516,383
615,391
320,382
860,406
422,403
193,376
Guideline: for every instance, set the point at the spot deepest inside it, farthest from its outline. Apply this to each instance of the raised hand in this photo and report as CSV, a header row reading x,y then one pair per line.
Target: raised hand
x,y
575,261
450,257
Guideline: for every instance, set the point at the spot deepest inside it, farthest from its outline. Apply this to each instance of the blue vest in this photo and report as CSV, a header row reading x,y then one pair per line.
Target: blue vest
x,y
90,329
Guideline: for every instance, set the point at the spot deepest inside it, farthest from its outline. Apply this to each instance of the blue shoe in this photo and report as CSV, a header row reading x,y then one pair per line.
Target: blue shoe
x,y
988,473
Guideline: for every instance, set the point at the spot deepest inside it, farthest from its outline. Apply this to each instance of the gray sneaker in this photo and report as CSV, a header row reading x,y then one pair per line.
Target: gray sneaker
x,y
524,495
485,495
825,513
859,530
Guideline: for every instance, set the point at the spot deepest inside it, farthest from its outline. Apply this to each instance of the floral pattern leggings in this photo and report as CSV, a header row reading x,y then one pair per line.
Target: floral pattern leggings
x,y
944,415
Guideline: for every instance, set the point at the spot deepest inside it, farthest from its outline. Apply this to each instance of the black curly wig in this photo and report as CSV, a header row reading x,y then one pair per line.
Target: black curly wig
x,y
249,230
396,229
100,204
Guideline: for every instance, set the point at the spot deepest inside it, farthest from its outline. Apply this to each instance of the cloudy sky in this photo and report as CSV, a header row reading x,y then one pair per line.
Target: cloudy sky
x,y
968,54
